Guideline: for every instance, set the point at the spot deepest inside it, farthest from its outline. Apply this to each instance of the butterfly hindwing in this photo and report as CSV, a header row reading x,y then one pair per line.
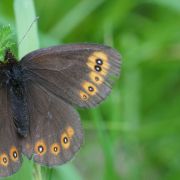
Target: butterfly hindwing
x,y
10,147
79,74
55,129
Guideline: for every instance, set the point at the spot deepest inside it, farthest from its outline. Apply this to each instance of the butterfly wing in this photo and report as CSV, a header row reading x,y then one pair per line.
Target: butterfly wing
x,y
78,73
10,148
55,129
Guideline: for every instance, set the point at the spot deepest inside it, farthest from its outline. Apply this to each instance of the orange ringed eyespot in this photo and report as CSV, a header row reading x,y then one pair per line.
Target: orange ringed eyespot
x,y
65,141
40,147
83,96
55,149
70,131
89,88
4,160
14,153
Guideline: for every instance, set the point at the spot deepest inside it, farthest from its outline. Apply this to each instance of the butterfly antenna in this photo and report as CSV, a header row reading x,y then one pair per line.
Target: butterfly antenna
x,y
35,20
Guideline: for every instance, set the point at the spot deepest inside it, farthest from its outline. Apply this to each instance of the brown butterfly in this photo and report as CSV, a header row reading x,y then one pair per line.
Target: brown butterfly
x,y
37,95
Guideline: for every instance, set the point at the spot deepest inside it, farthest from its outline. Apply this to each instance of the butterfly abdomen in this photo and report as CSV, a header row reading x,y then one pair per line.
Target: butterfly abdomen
x,y
19,102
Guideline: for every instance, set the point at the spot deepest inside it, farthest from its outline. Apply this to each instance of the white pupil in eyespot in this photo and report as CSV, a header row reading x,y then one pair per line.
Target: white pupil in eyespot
x,y
65,140
40,148
15,154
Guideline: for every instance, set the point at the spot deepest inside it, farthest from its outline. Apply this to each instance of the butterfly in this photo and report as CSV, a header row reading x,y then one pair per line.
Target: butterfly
x,y
37,95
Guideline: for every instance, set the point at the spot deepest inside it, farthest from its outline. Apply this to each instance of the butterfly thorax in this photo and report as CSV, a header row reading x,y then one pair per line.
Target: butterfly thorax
x,y
13,83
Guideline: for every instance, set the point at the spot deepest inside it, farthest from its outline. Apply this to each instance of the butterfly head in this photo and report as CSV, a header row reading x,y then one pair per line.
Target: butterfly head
x,y
9,57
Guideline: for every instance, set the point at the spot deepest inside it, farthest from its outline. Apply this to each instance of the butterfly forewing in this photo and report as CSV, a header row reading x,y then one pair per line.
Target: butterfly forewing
x,y
79,74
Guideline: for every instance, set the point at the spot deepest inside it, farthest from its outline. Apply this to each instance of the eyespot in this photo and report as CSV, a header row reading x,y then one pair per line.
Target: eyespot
x,y
89,88
65,141
98,68
4,160
99,61
55,149
70,131
96,78
14,155
40,147
83,96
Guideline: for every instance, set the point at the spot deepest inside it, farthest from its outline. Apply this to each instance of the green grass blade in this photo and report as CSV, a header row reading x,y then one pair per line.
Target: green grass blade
x,y
25,15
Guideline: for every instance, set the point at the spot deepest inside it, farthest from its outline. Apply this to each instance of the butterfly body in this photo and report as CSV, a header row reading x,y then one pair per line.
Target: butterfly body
x,y
37,95
13,81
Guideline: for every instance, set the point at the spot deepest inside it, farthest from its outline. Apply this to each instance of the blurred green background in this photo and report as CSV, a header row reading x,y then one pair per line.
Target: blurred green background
x,y
135,132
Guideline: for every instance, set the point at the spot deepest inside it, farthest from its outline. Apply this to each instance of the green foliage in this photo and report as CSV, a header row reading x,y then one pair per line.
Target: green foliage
x,y
6,40
135,133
